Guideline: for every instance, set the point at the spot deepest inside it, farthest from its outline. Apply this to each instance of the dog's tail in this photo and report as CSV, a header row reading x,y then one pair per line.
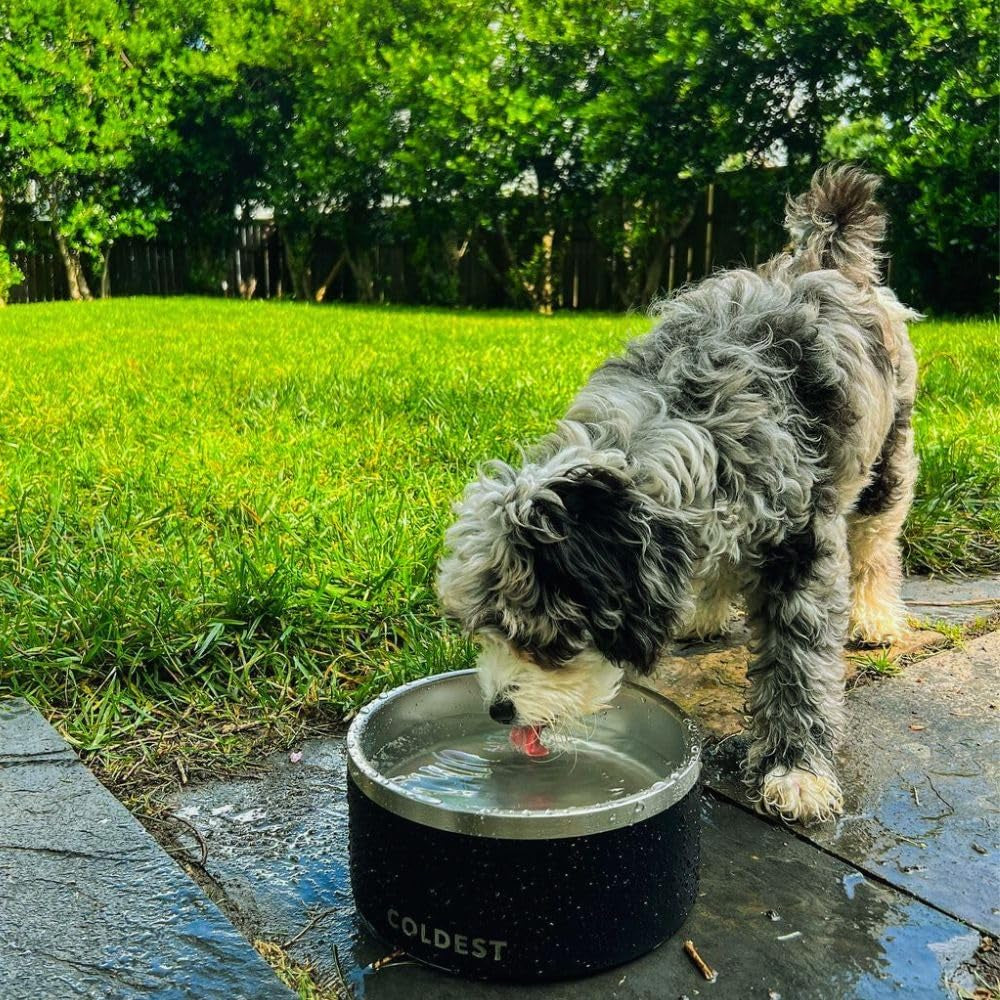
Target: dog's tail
x,y
837,223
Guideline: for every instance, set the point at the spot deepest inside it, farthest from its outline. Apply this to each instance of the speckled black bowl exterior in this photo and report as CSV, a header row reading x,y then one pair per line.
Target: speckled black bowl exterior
x,y
524,910
524,894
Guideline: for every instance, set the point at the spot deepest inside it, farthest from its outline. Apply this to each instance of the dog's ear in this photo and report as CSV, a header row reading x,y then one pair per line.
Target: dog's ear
x,y
600,546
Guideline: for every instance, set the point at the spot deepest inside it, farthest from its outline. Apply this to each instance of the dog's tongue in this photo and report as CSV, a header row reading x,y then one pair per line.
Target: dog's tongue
x,y
527,739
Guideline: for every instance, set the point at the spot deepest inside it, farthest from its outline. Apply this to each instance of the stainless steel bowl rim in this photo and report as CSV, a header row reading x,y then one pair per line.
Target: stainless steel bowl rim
x,y
577,821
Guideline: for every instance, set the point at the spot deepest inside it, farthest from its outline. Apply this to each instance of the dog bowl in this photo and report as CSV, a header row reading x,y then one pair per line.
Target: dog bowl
x,y
478,860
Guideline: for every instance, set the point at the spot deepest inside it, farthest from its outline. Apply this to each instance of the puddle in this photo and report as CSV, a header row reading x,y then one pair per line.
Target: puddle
x,y
850,882
288,866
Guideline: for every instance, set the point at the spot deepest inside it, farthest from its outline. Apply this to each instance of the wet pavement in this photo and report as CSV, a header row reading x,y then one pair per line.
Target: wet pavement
x,y
90,905
775,915
708,679
920,770
888,902
934,599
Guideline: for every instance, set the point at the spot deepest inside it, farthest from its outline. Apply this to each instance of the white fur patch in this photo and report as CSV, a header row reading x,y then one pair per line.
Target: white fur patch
x,y
557,697
797,795
877,619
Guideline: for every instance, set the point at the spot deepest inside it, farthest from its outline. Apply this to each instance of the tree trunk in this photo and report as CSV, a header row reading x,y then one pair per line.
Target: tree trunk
x,y
501,278
454,253
656,265
364,278
655,268
546,297
106,273
328,280
79,291
299,267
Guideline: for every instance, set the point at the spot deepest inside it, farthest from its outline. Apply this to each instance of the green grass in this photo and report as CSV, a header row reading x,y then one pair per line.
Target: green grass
x,y
954,525
218,518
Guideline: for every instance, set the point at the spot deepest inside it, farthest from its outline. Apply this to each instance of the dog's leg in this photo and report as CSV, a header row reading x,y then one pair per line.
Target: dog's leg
x,y
713,609
798,609
878,616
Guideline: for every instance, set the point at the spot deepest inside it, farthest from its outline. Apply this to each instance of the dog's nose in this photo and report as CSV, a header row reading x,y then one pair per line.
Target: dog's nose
x,y
502,710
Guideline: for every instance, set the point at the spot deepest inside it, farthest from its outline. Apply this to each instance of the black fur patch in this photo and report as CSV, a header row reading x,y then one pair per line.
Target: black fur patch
x,y
616,562
790,566
883,491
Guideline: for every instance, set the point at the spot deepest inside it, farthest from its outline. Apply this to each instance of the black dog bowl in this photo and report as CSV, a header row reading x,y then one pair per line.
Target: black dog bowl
x,y
522,886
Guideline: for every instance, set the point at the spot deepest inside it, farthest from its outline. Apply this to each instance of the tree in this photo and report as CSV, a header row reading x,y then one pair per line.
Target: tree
x,y
209,162
81,89
322,118
925,118
495,128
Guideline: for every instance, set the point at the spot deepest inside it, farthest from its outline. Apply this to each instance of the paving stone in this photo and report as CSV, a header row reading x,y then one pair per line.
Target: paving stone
x,y
708,679
957,601
920,767
278,849
90,905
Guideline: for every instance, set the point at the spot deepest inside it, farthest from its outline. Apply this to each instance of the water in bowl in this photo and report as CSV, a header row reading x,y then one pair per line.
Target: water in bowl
x,y
467,763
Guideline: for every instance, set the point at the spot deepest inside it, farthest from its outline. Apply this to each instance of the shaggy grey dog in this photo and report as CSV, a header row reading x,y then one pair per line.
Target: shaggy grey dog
x,y
756,443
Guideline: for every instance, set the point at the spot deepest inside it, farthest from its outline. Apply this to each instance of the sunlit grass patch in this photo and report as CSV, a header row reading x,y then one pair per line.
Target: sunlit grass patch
x,y
220,518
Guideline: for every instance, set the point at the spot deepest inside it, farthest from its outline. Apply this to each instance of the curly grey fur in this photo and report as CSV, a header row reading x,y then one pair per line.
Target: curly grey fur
x,y
725,452
837,223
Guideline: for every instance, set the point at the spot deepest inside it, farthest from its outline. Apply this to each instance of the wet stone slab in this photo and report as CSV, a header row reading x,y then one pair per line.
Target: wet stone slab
x,y
708,679
278,850
920,768
90,906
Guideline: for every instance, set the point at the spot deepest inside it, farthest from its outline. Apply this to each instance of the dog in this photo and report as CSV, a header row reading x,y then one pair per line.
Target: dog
x,y
756,444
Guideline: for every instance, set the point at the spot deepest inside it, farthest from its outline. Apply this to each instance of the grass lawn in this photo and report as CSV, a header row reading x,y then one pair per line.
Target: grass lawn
x,y
215,515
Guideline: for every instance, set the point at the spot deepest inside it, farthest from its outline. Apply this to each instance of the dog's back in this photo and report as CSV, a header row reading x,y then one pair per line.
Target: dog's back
x,y
797,371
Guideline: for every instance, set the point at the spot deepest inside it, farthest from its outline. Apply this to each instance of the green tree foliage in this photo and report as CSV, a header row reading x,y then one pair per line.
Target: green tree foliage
x,y
82,89
500,130
926,118
207,164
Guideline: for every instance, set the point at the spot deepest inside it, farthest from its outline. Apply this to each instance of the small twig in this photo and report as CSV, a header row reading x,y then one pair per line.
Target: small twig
x,y
341,978
309,926
916,795
381,963
202,846
789,937
726,739
951,808
699,963
195,832
956,604
181,771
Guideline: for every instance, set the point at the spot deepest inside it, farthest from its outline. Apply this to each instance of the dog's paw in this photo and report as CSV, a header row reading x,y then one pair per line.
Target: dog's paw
x,y
706,624
800,796
876,626
876,629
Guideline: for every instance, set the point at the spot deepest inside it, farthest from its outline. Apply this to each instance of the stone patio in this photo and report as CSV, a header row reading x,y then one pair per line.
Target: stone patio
x,y
893,900
90,905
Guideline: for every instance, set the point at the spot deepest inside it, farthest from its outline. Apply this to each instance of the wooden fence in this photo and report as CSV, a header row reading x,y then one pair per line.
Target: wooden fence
x,y
253,264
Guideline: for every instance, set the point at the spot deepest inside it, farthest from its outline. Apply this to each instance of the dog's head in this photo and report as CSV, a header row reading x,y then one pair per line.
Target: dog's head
x,y
565,574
